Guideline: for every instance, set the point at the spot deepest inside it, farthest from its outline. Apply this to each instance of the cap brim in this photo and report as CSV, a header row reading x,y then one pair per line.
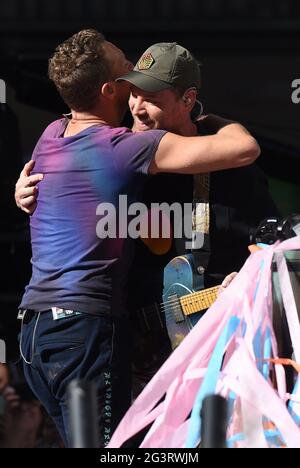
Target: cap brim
x,y
145,82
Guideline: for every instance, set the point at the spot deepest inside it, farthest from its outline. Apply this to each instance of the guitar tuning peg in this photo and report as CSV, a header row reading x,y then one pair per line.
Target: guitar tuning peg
x,y
200,270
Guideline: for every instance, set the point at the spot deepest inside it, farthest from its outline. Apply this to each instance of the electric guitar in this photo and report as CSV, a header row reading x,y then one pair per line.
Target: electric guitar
x,y
184,300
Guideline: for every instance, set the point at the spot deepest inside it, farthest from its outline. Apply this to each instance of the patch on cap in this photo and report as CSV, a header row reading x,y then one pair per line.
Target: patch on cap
x,y
145,62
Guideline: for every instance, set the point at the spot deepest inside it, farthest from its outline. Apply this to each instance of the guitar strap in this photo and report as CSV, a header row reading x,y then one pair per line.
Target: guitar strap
x,y
201,220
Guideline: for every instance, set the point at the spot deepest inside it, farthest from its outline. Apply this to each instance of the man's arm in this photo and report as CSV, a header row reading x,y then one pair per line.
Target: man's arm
x,y
231,146
26,188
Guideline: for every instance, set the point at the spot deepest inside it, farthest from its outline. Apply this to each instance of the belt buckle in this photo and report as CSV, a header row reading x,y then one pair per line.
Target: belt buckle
x,y
21,314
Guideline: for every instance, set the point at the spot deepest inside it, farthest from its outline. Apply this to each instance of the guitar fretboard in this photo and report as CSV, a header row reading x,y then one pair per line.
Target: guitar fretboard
x,y
199,300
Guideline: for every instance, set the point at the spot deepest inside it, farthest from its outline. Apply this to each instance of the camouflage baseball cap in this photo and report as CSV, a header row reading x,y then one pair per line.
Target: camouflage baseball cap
x,y
165,65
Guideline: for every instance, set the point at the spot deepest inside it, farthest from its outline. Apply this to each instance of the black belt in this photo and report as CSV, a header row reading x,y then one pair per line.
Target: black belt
x,y
57,313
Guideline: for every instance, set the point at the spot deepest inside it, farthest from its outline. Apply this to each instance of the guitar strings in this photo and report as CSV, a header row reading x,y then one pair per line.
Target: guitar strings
x,y
175,303
197,294
207,295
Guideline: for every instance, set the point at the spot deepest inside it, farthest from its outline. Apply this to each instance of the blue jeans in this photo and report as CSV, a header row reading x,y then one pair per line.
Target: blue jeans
x,y
88,347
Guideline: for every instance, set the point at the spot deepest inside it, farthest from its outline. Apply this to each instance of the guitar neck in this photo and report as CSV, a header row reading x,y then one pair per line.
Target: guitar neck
x,y
199,300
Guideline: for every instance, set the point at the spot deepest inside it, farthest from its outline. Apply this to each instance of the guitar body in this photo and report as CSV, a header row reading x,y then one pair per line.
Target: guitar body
x,y
180,279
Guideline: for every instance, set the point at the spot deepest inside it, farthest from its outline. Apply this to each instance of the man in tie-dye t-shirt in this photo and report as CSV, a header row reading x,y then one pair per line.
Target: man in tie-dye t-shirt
x,y
75,324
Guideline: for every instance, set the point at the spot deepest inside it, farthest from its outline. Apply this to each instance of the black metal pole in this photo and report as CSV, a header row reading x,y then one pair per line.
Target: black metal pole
x,y
83,414
214,422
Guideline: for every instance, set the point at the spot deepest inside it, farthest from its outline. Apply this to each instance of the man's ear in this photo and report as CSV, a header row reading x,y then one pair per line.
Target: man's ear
x,y
108,90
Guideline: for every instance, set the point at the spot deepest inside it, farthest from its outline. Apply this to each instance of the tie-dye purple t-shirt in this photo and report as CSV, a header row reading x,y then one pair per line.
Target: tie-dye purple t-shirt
x,y
72,266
